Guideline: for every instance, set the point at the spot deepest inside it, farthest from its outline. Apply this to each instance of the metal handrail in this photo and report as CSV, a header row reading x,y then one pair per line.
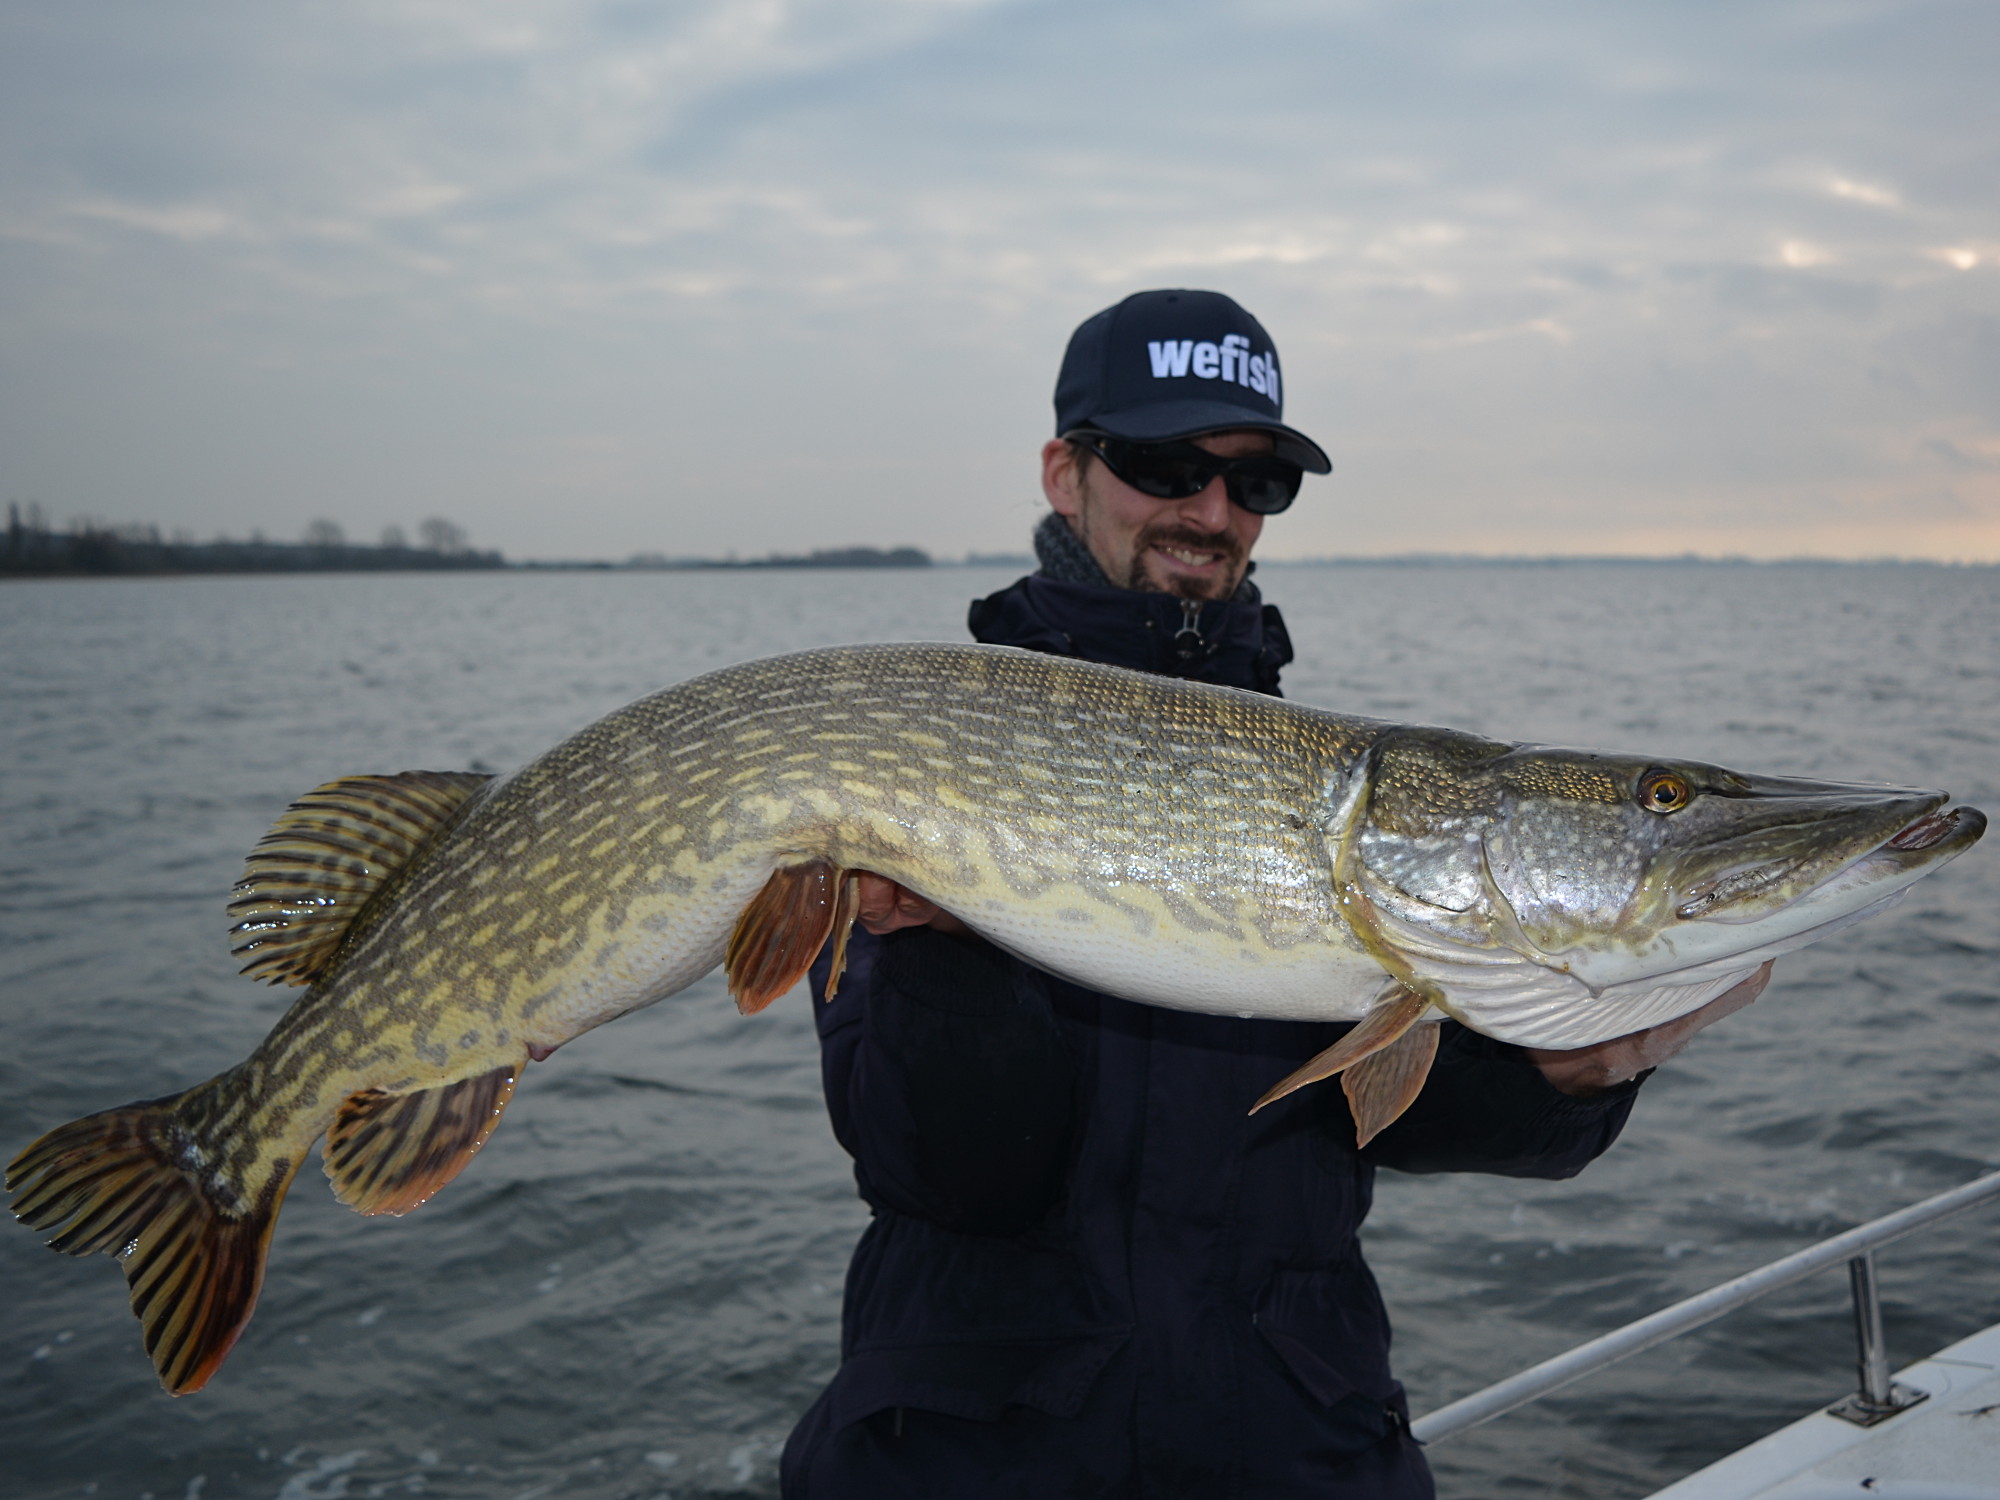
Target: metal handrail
x,y
1855,1246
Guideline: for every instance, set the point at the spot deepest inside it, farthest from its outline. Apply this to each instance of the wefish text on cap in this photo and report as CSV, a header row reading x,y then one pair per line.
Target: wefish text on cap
x,y
1174,364
1229,360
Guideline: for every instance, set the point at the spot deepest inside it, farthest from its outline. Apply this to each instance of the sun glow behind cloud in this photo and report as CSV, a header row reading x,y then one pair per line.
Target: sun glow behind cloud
x,y
596,278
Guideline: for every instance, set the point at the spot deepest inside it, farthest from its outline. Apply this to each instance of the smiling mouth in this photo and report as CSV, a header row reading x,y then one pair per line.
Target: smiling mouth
x,y
1189,558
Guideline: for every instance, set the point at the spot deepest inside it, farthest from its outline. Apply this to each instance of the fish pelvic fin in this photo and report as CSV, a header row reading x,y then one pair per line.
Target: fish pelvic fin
x,y
846,906
783,929
389,1153
134,1183
328,853
1395,1011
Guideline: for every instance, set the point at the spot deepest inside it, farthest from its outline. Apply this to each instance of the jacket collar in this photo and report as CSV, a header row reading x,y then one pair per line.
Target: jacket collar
x,y
1238,642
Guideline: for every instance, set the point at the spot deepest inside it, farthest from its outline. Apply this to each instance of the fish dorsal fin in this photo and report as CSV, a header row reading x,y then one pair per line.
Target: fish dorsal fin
x,y
331,850
1395,1012
388,1153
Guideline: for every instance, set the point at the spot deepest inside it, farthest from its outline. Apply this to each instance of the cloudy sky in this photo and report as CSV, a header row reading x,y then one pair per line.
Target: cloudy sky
x,y
593,277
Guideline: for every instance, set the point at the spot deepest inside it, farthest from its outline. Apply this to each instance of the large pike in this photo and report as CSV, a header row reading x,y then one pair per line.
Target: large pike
x,y
1188,846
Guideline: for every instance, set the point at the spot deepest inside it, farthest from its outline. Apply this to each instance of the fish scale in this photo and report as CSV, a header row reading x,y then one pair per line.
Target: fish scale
x,y
1174,843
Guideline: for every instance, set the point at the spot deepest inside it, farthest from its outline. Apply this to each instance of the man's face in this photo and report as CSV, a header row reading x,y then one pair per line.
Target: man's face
x,y
1197,548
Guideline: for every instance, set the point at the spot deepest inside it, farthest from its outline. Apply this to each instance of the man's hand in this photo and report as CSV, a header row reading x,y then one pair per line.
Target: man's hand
x,y
885,907
1591,1070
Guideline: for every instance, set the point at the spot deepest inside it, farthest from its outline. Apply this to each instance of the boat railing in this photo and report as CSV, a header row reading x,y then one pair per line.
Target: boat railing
x,y
1878,1397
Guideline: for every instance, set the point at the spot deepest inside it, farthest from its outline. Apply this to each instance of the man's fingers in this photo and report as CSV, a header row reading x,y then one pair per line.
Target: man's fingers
x,y
1648,1049
1664,1041
913,910
874,900
882,906
1589,1069
1731,1001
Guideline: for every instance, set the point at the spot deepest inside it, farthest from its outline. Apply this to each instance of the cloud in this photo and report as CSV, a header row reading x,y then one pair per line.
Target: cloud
x,y
1979,455
1799,255
1862,192
187,222
567,269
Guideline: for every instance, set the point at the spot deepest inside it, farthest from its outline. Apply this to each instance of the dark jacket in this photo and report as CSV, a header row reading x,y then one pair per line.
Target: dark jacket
x,y
1090,1271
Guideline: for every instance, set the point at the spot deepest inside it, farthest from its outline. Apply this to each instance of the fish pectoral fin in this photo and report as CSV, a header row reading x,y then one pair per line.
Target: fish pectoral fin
x,y
1384,1084
1394,1013
330,851
783,928
388,1153
120,1182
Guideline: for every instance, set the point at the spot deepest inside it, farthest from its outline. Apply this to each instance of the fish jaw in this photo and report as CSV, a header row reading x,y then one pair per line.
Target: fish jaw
x,y
1493,987
1784,913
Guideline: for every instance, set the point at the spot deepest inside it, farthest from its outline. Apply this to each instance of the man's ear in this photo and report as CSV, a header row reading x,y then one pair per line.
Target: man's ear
x,y
1062,477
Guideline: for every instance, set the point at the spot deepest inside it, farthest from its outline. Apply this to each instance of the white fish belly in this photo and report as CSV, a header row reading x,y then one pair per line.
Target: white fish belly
x,y
1220,973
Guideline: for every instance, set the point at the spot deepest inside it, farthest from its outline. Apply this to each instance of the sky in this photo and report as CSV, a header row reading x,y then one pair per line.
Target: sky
x,y
595,277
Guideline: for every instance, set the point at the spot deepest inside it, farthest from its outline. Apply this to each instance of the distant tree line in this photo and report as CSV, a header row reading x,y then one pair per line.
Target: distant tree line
x,y
826,557
847,557
32,547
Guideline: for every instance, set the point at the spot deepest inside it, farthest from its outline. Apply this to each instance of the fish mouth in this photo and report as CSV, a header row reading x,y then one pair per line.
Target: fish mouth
x,y
1926,840
1935,828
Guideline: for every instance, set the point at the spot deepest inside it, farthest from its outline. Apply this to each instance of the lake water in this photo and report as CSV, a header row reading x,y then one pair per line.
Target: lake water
x,y
635,1289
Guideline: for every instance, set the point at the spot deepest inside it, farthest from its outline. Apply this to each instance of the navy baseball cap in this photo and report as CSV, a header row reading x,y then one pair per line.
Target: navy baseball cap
x,y
1175,364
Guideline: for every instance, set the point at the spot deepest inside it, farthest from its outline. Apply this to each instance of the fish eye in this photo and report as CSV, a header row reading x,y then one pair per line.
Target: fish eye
x,y
1664,792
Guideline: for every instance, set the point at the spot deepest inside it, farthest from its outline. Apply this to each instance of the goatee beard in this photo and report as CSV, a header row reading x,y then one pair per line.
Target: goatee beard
x,y
1194,541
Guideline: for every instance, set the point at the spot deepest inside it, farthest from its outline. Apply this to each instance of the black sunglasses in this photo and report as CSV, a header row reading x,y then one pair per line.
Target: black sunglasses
x,y
1260,483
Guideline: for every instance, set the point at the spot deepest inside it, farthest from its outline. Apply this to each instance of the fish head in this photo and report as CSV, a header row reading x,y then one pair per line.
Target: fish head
x,y
1620,873
1630,867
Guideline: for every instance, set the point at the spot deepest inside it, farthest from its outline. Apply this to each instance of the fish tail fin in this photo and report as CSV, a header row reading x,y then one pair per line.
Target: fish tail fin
x,y
136,1184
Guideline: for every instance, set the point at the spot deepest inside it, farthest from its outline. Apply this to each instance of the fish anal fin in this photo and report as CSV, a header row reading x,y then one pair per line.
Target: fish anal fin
x,y
1384,1084
328,853
1394,1013
782,930
131,1183
388,1153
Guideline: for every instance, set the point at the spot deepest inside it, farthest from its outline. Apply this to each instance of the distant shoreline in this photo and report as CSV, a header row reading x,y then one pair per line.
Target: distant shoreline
x,y
89,551
828,557
480,564
1607,560
30,549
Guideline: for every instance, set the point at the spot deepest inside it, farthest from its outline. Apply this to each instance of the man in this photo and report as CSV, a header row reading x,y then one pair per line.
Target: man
x,y
1090,1271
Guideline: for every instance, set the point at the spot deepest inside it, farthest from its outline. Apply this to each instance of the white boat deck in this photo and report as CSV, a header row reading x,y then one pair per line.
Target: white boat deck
x,y
1945,1448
